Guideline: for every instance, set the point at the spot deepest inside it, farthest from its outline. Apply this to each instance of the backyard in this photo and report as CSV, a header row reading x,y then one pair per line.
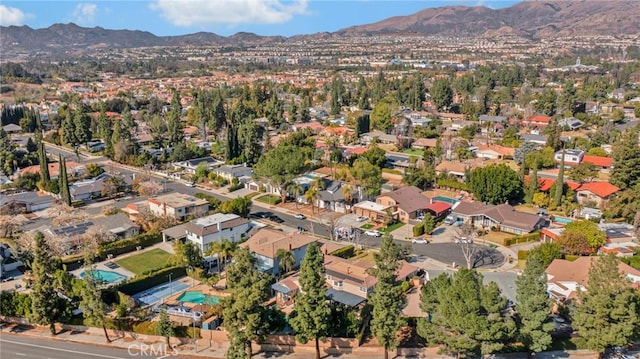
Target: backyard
x,y
146,261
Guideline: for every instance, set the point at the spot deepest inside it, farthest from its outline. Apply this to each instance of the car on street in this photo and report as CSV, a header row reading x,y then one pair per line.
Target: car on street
x,y
462,240
299,216
276,219
419,241
373,233
190,184
361,219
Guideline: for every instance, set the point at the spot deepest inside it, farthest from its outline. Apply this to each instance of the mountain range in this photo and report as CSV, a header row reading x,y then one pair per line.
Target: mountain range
x,y
530,19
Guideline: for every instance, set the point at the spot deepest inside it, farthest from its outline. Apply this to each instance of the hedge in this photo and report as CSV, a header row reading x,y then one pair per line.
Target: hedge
x,y
141,283
452,184
344,252
522,255
529,237
418,229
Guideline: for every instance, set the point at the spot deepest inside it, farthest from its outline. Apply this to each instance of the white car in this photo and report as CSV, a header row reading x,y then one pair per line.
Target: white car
x,y
361,219
299,216
189,184
373,233
419,241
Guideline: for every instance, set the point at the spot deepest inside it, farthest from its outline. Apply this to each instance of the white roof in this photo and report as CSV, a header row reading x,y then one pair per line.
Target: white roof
x,y
372,206
214,218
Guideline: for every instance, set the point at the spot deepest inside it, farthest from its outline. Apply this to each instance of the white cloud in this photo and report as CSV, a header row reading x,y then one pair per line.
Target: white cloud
x,y
85,13
11,16
229,12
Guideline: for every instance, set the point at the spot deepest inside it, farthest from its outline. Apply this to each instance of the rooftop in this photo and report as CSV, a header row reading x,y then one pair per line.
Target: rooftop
x,y
177,200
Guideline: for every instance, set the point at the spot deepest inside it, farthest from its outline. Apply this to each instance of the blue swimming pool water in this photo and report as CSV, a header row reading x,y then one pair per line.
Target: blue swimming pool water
x,y
562,220
106,276
445,199
198,297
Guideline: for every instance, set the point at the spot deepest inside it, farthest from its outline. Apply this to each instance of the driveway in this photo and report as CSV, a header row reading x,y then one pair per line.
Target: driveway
x,y
450,253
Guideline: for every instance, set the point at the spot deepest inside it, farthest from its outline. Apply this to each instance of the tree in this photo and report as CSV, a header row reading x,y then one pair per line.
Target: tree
x,y
244,311
368,176
541,199
465,316
533,305
186,254
582,172
146,187
286,260
45,177
607,313
311,195
495,184
93,307
47,307
441,93
533,185
626,160
387,300
297,190
240,206
224,249
382,114
281,165
546,252
582,237
557,198
63,181
311,309
429,223
163,326
546,102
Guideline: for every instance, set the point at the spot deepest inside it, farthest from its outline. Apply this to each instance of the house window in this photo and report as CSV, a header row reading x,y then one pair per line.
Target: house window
x,y
363,289
402,213
337,283
328,277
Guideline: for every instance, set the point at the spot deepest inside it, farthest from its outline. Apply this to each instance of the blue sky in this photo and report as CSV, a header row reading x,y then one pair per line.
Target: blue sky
x,y
224,17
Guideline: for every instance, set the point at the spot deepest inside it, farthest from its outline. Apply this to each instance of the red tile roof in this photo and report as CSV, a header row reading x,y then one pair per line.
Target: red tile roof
x,y
601,189
598,161
539,118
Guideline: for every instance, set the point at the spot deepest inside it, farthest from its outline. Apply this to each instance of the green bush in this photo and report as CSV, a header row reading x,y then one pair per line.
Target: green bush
x,y
522,254
418,229
571,257
529,237
144,282
452,184
405,286
129,245
235,187
344,252
632,261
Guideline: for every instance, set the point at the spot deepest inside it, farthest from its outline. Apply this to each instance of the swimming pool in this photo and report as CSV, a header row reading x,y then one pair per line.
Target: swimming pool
x,y
445,199
198,297
106,276
562,220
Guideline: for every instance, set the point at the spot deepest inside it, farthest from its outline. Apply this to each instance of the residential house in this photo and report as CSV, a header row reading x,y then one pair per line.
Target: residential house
x,y
314,126
494,152
74,169
406,203
495,120
372,210
616,233
571,123
458,125
229,172
286,290
27,202
333,197
178,206
457,169
92,188
603,164
189,166
12,128
534,138
501,217
595,193
398,161
214,228
7,262
536,121
265,243
565,278
381,136
424,143
571,157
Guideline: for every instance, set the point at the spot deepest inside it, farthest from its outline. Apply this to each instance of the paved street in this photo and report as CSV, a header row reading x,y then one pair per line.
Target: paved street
x,y
15,347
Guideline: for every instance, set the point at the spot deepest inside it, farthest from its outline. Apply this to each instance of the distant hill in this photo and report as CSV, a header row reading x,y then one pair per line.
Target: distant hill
x,y
533,19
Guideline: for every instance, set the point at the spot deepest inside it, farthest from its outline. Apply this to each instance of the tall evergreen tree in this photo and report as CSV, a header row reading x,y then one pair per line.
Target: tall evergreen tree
x,y
533,183
533,306
311,308
244,312
63,181
163,326
45,177
93,307
67,129
557,199
607,313
82,126
626,160
47,307
387,299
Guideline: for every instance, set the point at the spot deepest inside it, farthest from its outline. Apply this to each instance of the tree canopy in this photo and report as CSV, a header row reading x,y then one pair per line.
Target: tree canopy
x,y
495,184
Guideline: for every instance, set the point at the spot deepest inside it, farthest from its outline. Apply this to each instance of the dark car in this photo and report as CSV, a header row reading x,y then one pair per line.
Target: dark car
x,y
276,219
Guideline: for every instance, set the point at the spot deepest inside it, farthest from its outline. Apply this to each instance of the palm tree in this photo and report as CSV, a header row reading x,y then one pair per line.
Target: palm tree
x,y
286,260
224,249
347,193
297,190
311,196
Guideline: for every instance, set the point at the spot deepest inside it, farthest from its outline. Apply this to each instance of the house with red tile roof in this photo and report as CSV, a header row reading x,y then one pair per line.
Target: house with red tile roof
x,y
602,163
73,168
595,192
536,121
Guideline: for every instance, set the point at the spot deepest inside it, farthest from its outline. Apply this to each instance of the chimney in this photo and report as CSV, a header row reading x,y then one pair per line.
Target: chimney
x,y
348,270
289,246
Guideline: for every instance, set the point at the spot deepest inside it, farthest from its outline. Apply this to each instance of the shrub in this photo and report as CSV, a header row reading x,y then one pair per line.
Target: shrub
x,y
529,237
418,229
571,257
344,252
452,184
235,187
405,286
144,282
522,254
129,245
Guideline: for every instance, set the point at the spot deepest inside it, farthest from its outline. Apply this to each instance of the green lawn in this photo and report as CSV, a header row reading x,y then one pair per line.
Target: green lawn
x,y
269,199
391,228
366,226
413,152
140,263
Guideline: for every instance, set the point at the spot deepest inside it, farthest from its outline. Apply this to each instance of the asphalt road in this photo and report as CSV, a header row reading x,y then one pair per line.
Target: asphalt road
x,y
442,252
16,347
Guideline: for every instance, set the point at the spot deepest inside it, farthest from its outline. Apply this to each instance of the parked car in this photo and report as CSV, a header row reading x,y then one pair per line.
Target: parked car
x,y
276,219
451,219
419,241
361,219
190,184
373,233
299,216
462,240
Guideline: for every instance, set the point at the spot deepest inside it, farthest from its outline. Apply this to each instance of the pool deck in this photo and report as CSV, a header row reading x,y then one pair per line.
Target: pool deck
x,y
204,288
